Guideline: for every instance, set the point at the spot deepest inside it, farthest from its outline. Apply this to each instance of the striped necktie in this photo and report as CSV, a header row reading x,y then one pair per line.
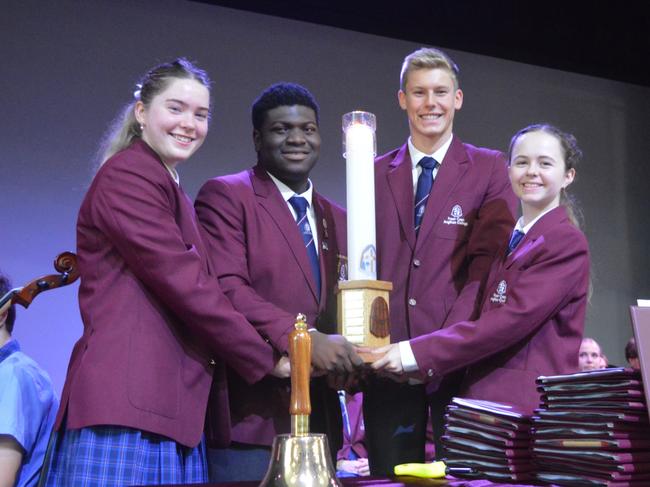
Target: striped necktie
x,y
300,205
425,182
517,235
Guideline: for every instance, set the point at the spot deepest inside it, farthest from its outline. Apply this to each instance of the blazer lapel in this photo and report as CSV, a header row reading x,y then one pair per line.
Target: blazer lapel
x,y
400,179
270,199
535,236
451,172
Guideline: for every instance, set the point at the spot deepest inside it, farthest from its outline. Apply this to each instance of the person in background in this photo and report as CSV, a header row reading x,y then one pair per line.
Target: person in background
x,y
352,458
158,330
604,362
590,356
632,354
28,406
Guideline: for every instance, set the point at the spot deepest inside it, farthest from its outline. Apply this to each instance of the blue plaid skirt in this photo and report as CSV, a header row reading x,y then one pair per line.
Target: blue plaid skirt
x,y
117,456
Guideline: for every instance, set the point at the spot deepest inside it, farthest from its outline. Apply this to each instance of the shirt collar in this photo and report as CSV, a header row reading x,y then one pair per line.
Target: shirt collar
x,y
525,229
173,172
9,348
287,192
438,155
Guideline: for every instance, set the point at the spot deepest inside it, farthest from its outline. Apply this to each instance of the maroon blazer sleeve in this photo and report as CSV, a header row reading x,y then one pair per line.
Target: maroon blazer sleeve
x,y
546,278
135,210
492,227
222,216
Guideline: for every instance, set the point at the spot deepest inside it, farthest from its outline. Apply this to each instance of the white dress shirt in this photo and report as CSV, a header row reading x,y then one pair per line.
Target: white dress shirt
x,y
287,193
409,363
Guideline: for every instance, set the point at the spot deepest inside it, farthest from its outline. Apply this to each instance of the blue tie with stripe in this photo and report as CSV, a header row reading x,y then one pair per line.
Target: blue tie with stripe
x,y
300,205
517,235
425,182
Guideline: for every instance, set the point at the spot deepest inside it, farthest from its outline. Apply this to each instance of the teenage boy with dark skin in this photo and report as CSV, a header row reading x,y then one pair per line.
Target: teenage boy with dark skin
x,y
437,258
263,261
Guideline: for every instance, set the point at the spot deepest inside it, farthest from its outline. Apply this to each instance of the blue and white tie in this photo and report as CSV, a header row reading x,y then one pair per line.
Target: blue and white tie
x,y
300,205
517,235
425,182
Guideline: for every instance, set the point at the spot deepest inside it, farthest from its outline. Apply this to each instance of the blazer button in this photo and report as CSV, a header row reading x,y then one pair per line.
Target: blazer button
x,y
412,302
416,263
212,362
430,373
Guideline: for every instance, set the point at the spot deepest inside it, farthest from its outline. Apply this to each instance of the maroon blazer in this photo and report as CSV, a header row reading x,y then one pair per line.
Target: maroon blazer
x,y
156,323
436,277
264,270
531,323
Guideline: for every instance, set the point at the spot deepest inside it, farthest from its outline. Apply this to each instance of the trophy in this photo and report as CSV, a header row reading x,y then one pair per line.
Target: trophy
x,y
362,300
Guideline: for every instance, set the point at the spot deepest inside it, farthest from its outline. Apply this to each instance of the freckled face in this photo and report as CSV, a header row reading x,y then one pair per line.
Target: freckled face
x,y
175,123
288,144
430,100
538,172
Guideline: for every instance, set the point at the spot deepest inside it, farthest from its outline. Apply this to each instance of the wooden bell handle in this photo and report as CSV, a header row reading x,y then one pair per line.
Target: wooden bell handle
x,y
300,360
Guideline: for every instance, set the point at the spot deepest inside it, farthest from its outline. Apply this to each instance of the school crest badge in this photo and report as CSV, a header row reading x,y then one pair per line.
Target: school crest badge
x,y
456,217
500,295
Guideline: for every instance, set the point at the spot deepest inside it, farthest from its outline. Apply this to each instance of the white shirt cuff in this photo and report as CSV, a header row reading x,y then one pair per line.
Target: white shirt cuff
x,y
408,359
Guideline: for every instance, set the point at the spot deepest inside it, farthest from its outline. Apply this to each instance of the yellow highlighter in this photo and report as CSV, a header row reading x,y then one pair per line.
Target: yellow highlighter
x,y
435,470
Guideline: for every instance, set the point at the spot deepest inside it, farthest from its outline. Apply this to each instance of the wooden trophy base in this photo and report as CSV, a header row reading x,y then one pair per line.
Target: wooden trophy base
x,y
363,314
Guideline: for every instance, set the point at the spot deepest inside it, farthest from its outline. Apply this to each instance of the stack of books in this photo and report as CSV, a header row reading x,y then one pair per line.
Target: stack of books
x,y
592,429
491,439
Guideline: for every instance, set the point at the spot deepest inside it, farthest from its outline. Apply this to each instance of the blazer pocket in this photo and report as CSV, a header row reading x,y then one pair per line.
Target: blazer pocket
x,y
154,374
456,218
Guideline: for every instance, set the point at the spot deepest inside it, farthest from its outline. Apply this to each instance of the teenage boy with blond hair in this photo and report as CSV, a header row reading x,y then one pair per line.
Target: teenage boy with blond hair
x,y
445,209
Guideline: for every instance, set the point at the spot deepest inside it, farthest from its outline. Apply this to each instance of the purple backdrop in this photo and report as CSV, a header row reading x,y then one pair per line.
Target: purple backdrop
x,y
68,66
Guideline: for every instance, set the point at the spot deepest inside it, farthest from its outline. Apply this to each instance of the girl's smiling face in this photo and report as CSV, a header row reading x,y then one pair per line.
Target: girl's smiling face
x,y
175,123
538,172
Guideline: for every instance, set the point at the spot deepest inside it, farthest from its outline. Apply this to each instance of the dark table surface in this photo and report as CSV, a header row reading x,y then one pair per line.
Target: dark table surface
x,y
390,482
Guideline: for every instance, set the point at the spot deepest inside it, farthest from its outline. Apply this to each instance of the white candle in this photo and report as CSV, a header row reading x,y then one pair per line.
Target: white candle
x,y
359,139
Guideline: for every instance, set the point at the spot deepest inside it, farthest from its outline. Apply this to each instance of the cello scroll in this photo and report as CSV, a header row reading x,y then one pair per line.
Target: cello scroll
x,y
65,264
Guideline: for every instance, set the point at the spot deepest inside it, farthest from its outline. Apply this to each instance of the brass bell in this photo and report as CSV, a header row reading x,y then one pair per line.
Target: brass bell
x,y
300,459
